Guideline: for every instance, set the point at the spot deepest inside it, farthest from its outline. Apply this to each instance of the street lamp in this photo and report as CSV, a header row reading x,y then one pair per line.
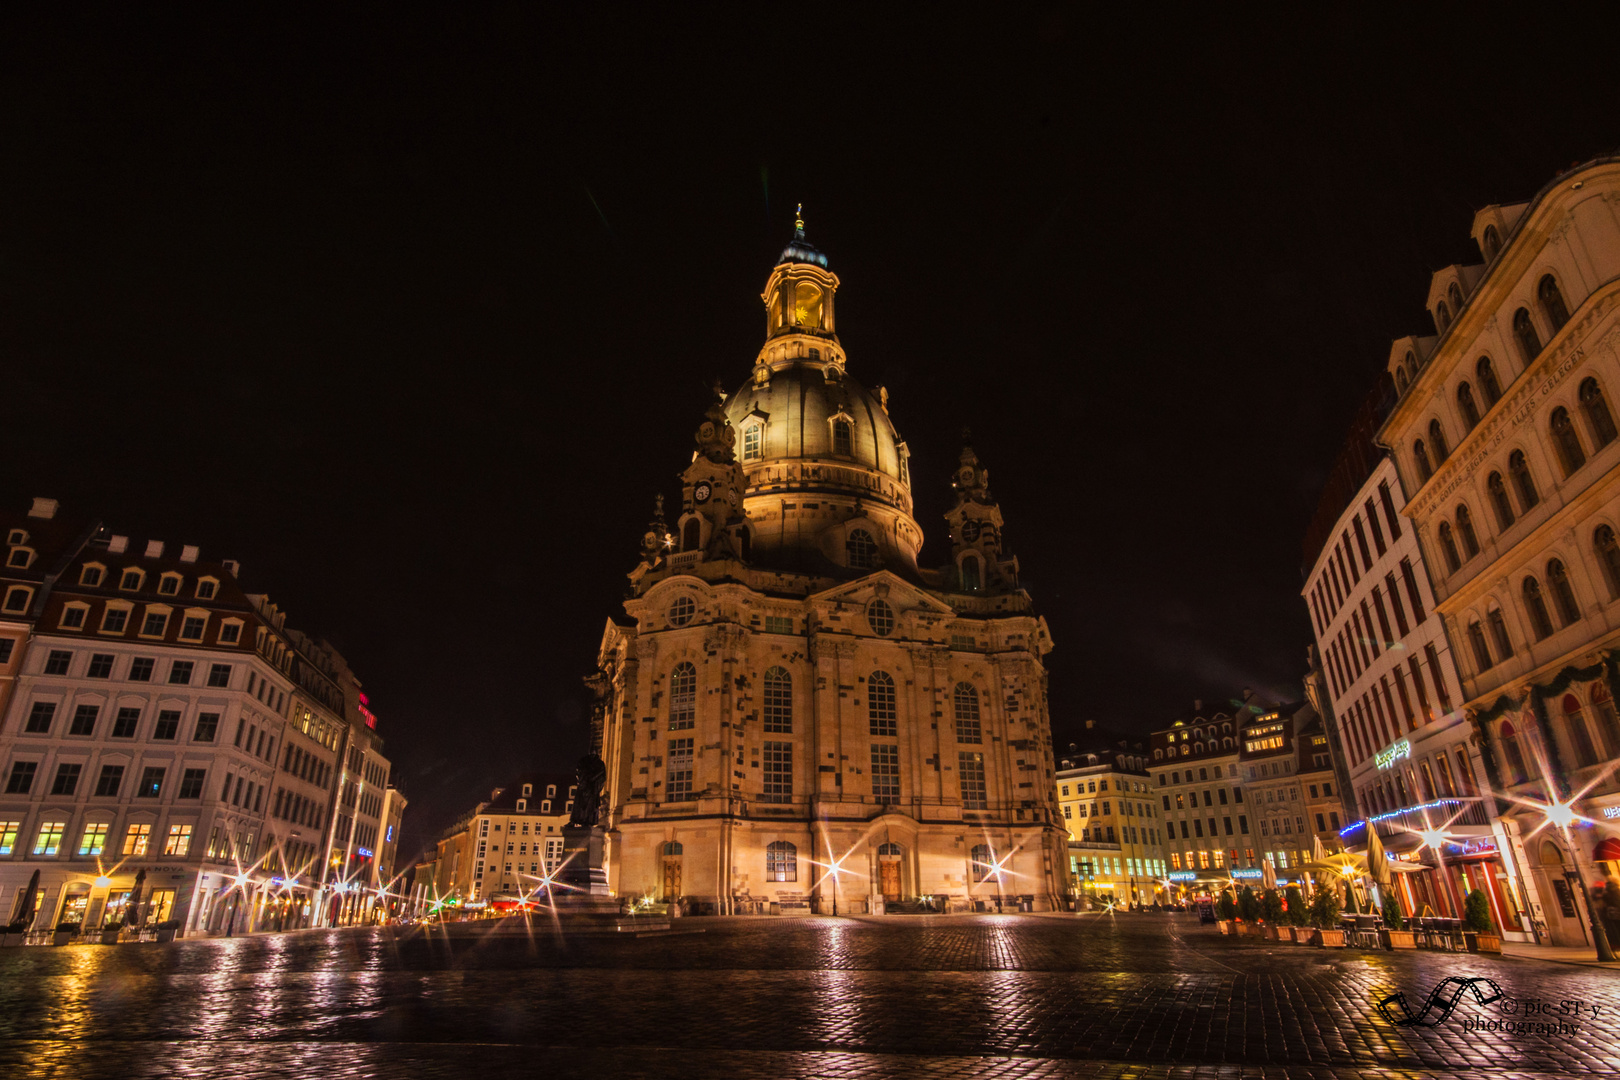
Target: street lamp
x,y
1562,815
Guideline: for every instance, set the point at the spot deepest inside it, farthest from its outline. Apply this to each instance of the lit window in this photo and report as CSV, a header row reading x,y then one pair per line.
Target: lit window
x,y
781,861
179,841
49,841
8,836
94,840
137,839
753,442
842,441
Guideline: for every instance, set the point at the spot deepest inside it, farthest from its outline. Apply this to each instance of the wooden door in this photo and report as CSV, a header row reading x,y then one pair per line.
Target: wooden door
x,y
889,876
672,879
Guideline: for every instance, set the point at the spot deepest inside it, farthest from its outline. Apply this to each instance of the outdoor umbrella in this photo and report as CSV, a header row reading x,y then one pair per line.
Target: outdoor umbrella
x,y
133,908
26,915
1268,874
1318,852
1377,863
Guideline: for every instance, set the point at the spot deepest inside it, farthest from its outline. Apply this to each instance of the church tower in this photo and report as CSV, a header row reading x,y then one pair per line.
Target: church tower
x,y
797,715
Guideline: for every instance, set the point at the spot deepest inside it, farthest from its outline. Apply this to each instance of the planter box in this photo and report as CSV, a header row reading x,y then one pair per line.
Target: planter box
x,y
1223,925
63,937
165,935
109,937
1400,939
1329,939
1483,943
1271,933
1299,935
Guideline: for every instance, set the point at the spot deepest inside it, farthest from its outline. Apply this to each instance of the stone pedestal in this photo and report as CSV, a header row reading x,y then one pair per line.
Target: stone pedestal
x,y
584,867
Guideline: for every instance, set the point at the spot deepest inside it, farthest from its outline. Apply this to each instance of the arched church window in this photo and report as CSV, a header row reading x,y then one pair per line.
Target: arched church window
x,y
1420,459
1552,302
1535,605
1465,532
1456,298
1608,553
1597,414
1437,441
682,696
1491,242
1448,548
1514,753
1580,736
691,535
984,862
673,847
753,442
1499,632
1520,470
1489,385
781,861
880,617
860,549
1524,332
882,715
968,727
1467,405
1565,441
1476,638
842,441
971,580
1500,501
1563,592
776,710
1442,316
1400,380
682,610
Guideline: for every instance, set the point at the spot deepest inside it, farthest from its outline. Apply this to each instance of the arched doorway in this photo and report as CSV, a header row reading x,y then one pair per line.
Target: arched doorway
x,y
890,860
672,871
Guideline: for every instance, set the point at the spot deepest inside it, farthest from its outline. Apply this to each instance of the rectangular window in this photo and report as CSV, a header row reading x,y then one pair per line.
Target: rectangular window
x,y
678,771
778,761
140,669
191,783
179,841
1422,692
1438,676
8,836
1412,594
1361,543
1395,603
167,726
1372,523
207,727
49,840
57,662
40,717
138,839
191,628
155,623
100,666
108,783
1243,823
886,772
84,720
151,783
21,780
229,633
219,675
1333,820
114,621
94,840
1390,516
180,673
67,779
971,772
1228,823
778,624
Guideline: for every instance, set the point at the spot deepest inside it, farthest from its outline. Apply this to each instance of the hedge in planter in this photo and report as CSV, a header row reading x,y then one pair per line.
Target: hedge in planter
x,y
1225,908
1271,907
1296,914
1477,913
1392,912
1248,905
1325,910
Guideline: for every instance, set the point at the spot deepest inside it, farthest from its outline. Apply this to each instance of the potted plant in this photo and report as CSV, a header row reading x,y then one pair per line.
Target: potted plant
x,y
1226,913
165,930
1297,916
1248,906
109,932
1478,929
1394,934
1325,917
1271,910
65,932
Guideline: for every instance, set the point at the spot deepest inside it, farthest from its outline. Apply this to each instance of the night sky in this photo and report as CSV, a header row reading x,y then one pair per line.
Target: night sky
x,y
413,316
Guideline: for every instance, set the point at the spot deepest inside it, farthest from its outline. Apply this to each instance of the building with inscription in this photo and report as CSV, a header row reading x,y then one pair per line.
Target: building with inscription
x,y
797,713
1110,807
1393,696
1504,435
166,727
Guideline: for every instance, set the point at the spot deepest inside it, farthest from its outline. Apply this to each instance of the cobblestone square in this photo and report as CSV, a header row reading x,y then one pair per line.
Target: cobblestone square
x,y
1127,996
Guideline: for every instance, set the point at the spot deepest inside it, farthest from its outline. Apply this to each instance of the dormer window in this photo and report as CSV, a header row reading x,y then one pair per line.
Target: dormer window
x,y
17,536
206,588
528,789
230,632
1455,295
551,789
545,806
17,598
842,437
1490,242
753,442
131,580
523,807
860,549
1442,316
73,616
169,585
92,574
20,558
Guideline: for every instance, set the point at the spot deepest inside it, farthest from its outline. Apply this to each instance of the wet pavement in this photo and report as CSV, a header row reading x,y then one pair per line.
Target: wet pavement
x,y
1131,997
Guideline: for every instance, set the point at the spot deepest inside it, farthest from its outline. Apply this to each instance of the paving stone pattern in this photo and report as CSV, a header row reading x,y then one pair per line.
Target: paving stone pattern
x,y
1127,997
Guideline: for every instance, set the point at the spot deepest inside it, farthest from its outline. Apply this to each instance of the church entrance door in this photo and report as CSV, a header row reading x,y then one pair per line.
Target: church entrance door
x,y
889,871
672,880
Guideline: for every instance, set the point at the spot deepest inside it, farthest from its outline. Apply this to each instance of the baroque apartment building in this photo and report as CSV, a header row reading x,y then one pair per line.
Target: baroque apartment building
x,y
1116,836
796,713
1195,768
164,726
501,851
1504,434
1394,699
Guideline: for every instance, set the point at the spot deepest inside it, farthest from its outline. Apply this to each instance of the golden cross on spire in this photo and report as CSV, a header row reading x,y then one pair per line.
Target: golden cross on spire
x,y
798,217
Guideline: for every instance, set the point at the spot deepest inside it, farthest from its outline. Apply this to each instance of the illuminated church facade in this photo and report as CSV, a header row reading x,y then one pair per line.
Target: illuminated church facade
x,y
796,715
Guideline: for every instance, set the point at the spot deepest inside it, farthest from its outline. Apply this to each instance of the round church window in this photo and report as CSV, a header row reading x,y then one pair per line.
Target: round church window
x,y
880,616
681,611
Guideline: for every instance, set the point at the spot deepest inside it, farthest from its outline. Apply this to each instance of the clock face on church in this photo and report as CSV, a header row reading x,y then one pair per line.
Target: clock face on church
x,y
701,492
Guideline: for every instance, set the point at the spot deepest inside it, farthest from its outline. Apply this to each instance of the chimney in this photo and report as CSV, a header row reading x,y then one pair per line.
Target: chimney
x,y
189,553
117,545
154,549
43,508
